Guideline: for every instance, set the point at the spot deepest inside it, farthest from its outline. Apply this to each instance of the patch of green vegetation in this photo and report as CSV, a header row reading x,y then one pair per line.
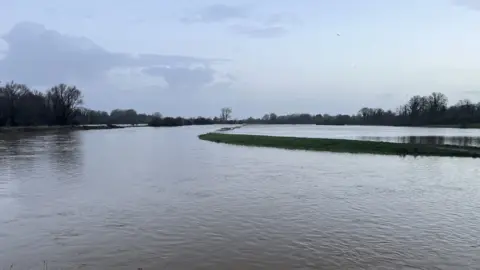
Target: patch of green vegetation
x,y
342,145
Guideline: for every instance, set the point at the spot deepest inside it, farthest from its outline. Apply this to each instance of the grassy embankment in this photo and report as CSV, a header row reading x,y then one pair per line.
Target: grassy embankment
x,y
342,145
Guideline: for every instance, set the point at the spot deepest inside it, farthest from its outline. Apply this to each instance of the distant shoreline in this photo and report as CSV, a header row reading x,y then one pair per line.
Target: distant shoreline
x,y
61,128
468,126
13,129
342,145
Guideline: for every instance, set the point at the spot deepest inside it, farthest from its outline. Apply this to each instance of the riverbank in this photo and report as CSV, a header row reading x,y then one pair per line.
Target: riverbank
x,y
60,128
342,145
465,126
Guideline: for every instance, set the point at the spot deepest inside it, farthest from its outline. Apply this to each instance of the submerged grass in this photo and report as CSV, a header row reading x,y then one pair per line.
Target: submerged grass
x,y
342,145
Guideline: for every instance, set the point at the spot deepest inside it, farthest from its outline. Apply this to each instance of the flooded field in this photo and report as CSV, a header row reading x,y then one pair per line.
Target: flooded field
x,y
160,198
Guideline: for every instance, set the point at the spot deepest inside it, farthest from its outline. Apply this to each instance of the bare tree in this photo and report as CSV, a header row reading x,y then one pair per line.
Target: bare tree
x,y
11,94
32,109
437,102
273,117
64,100
226,113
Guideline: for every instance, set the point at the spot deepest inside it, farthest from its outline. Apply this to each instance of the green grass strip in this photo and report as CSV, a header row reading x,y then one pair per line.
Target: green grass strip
x,y
342,145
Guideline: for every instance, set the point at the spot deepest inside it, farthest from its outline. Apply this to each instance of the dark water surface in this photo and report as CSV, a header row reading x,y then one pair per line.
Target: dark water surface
x,y
162,199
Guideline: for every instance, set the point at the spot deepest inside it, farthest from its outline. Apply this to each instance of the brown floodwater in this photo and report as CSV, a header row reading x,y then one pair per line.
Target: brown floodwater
x,y
159,198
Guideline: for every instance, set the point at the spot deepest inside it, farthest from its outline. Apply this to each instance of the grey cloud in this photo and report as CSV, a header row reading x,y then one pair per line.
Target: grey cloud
x,y
275,25
38,56
176,60
3,47
270,26
217,13
472,92
259,31
183,78
473,4
282,18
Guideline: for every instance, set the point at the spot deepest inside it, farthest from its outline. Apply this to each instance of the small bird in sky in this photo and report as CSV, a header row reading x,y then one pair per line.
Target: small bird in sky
x,y
338,34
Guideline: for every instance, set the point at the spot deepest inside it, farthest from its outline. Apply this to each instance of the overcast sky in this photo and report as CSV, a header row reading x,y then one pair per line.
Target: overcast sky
x,y
192,57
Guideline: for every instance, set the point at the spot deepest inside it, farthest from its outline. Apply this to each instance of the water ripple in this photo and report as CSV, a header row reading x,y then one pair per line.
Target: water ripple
x,y
161,199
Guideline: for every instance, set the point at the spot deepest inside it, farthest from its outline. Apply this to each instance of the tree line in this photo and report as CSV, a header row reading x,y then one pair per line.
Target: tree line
x,y
62,105
19,105
431,110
